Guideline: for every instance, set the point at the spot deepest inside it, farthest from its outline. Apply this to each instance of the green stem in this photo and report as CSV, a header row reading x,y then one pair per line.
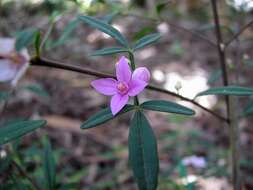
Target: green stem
x,y
23,173
131,57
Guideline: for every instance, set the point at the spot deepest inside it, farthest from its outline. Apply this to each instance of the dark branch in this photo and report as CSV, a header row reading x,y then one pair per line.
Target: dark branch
x,y
177,27
238,33
221,49
24,174
55,64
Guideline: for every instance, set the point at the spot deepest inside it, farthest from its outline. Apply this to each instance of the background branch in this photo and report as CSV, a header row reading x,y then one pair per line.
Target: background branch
x,y
54,64
175,26
230,102
238,33
23,173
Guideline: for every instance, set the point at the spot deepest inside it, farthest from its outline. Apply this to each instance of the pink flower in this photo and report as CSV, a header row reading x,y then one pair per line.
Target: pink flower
x,y
127,84
12,64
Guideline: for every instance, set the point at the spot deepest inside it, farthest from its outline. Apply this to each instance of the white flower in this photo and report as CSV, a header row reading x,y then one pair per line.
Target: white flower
x,y
12,64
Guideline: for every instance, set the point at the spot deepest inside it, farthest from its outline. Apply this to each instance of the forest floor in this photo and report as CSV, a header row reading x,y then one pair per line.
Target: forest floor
x,y
98,158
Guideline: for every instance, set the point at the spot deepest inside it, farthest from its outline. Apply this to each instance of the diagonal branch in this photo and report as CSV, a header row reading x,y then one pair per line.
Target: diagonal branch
x,y
55,64
177,27
238,33
23,173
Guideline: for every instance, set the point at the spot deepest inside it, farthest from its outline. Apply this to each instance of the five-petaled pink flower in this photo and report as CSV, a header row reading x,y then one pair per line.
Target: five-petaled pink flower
x,y
127,84
12,64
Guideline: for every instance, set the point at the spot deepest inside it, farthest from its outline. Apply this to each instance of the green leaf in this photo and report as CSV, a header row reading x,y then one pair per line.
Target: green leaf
x,y
228,90
143,154
143,32
176,49
67,32
109,18
109,51
5,163
166,106
37,42
103,116
147,40
106,28
25,38
161,6
37,89
248,110
4,96
215,75
15,130
249,62
49,166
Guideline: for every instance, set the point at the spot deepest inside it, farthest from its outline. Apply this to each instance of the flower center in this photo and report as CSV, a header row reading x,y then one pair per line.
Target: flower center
x,y
122,87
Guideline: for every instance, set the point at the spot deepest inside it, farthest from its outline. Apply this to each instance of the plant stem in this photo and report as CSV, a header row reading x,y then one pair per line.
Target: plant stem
x,y
221,49
230,103
54,64
132,62
239,33
175,26
23,173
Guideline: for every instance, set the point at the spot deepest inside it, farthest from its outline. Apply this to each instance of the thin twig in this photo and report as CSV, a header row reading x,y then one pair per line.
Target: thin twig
x,y
238,33
175,26
23,173
55,64
157,89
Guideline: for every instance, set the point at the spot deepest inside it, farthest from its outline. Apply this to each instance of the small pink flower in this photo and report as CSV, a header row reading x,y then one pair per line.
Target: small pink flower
x,y
12,64
127,84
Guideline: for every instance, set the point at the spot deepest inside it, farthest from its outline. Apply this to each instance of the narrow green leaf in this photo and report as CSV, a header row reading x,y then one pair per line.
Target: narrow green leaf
x,y
25,38
5,162
215,76
103,116
67,32
4,96
37,89
109,51
248,110
166,106
143,32
249,62
228,90
15,130
161,6
106,28
49,166
147,40
143,154
109,18
37,42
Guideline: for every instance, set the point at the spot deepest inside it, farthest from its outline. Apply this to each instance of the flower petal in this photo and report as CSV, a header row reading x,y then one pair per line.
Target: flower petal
x,y
106,86
118,101
123,71
20,72
136,86
23,66
7,70
141,73
7,45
